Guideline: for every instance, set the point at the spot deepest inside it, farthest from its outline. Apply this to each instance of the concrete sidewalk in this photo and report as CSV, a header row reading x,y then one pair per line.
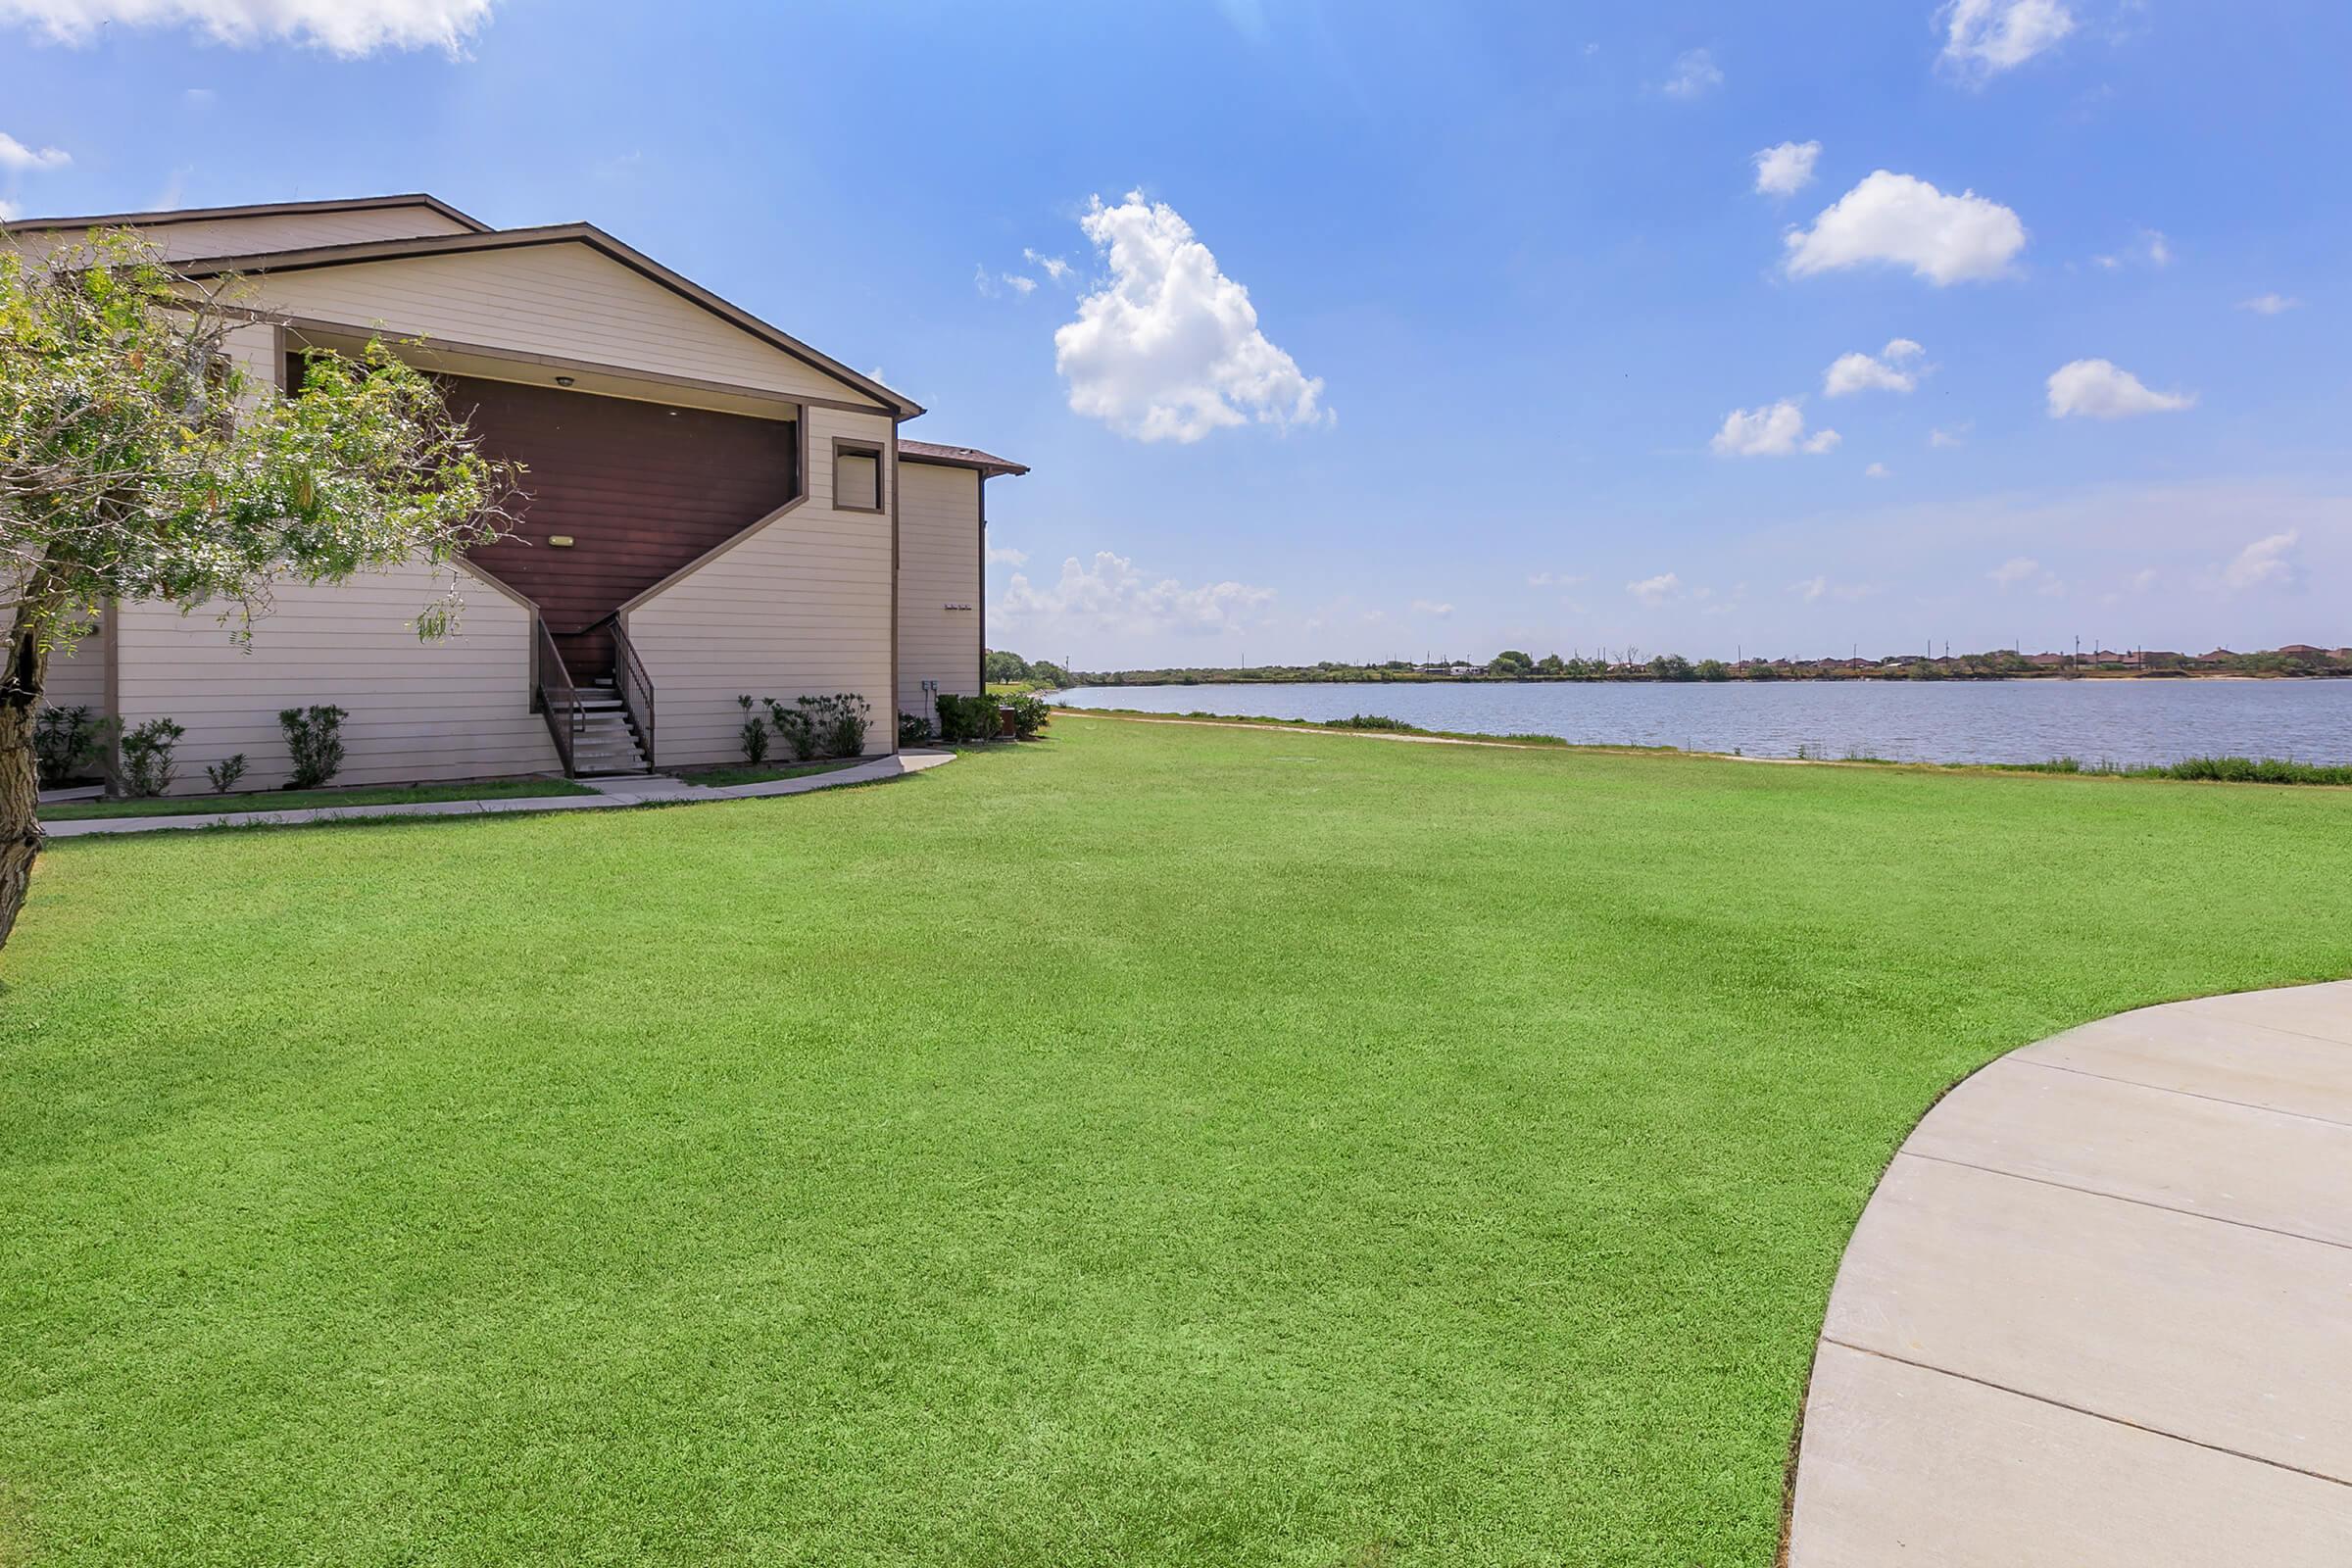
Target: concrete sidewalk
x,y
649,790
2100,1310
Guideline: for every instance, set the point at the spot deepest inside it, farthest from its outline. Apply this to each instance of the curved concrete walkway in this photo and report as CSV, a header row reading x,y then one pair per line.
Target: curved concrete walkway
x,y
646,789
2100,1310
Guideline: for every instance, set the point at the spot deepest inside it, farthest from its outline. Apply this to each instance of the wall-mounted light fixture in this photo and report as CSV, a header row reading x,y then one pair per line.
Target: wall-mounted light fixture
x,y
562,380
558,540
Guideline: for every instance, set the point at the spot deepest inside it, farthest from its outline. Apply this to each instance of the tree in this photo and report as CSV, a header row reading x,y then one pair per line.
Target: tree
x,y
1713,670
1048,673
1550,664
137,463
998,664
1511,661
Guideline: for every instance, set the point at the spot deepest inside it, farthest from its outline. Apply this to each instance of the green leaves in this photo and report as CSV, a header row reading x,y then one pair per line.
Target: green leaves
x,y
140,460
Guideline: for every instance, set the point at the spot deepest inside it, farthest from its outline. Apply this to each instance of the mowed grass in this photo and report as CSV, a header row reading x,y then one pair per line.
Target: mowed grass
x,y
1164,1145
497,789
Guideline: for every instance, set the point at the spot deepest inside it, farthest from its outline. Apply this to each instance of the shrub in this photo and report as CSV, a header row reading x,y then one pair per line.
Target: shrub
x,y
914,730
67,743
1366,721
226,773
147,758
754,734
792,728
821,726
1030,716
313,737
967,718
845,719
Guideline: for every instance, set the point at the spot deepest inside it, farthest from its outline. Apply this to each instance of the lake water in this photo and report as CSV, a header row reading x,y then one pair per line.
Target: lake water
x,y
2132,722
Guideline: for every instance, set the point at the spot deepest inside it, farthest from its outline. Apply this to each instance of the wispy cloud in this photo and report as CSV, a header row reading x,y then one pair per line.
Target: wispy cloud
x,y
1694,76
1985,38
1053,267
1656,590
2269,304
348,27
2267,563
1108,595
14,155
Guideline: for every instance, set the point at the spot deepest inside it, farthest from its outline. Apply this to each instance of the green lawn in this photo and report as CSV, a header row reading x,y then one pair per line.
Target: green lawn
x,y
1162,1144
498,789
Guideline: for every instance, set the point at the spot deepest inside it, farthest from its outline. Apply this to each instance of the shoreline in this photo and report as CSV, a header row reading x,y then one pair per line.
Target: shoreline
x,y
2201,770
2167,677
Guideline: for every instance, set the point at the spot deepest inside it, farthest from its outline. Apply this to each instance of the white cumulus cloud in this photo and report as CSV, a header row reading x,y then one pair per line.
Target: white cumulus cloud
x,y
1983,37
2016,569
2265,562
1003,554
1884,372
340,26
1775,430
1695,75
1432,607
1110,595
1656,590
13,154
1878,470
2099,389
1023,286
1904,220
2269,304
1169,348
1788,169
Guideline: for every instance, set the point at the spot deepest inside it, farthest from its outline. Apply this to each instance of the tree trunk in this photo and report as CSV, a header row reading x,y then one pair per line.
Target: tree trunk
x,y
20,777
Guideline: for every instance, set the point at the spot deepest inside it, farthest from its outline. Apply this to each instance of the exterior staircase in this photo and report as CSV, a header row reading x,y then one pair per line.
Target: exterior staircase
x,y
608,743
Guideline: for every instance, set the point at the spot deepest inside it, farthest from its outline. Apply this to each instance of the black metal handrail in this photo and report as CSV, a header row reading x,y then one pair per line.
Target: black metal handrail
x,y
559,699
635,686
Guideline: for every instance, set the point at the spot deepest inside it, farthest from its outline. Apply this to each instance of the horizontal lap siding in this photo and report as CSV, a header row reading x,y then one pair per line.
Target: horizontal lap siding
x,y
800,608
265,232
562,299
938,565
458,708
78,679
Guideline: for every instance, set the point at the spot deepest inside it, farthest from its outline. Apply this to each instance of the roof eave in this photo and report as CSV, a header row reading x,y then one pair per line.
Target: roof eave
x,y
900,407
200,214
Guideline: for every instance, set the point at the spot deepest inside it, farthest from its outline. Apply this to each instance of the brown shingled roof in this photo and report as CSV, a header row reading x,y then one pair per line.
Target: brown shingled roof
x,y
988,463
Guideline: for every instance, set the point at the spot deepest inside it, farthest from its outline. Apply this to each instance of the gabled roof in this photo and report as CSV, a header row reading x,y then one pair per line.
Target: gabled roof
x,y
988,463
588,234
200,214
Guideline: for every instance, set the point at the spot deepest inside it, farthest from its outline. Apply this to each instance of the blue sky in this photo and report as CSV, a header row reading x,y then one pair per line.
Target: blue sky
x,y
1433,328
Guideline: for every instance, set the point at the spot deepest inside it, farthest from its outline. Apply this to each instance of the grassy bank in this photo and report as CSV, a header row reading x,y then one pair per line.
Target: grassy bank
x,y
2194,769
1160,1144
501,788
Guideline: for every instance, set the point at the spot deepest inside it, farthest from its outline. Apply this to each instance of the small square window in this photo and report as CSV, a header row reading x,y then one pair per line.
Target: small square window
x,y
857,477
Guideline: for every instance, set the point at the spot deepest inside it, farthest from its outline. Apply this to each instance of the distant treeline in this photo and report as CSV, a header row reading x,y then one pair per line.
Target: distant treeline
x,y
1511,664
1000,668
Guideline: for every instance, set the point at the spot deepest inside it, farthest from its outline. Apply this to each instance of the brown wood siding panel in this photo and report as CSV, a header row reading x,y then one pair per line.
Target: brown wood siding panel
x,y
641,488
